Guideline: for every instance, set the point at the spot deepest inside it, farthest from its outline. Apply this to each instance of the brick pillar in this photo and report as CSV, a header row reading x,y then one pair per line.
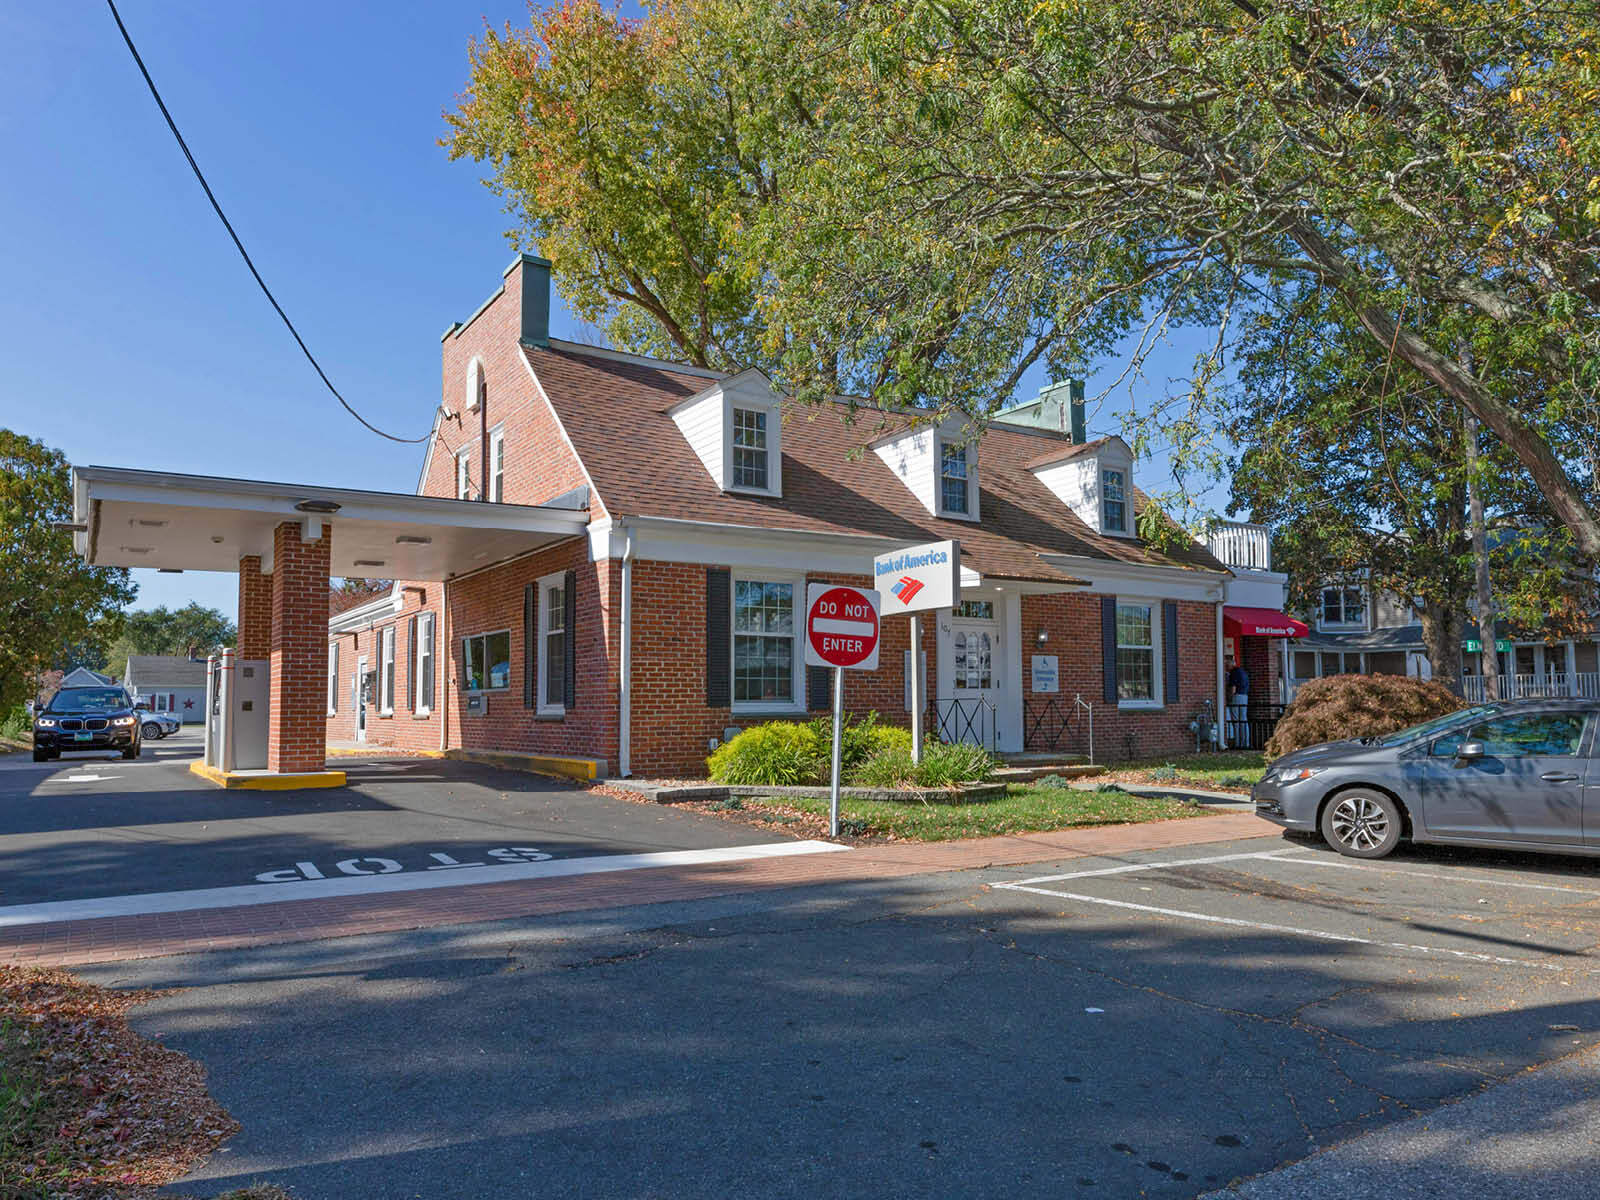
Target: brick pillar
x,y
1260,659
255,609
298,737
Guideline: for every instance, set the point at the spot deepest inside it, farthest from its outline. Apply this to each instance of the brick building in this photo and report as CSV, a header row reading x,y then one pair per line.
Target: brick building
x,y
606,558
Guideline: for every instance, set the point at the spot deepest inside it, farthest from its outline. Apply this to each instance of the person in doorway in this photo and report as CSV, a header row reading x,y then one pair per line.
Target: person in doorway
x,y
1238,687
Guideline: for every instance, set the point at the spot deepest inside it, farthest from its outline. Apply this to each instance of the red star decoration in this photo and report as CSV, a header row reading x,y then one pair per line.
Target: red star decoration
x,y
188,703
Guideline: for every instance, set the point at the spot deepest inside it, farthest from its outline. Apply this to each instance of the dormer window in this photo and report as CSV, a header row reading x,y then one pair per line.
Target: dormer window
x,y
1343,608
953,478
1113,493
750,449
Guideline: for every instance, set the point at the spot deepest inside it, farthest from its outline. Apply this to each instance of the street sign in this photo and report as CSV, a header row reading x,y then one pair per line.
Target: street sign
x,y
918,578
1474,646
841,627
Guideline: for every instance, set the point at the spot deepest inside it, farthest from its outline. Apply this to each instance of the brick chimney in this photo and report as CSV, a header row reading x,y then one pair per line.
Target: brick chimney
x,y
528,278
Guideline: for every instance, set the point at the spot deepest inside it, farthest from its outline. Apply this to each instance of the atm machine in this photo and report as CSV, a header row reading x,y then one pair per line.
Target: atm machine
x,y
238,700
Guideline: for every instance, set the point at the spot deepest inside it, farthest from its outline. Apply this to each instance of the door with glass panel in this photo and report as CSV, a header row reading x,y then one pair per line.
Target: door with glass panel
x,y
968,705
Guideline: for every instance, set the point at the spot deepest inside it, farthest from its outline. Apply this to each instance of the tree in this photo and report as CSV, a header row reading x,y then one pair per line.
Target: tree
x,y
192,631
1000,181
50,599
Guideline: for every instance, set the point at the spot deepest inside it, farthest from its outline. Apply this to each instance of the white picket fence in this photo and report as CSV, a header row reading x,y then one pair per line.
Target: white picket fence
x,y
1527,687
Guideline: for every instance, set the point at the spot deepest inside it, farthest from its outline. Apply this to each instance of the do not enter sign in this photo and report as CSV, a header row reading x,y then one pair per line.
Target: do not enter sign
x,y
841,627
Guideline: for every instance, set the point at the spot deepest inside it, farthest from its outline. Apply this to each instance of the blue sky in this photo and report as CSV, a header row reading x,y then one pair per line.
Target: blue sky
x,y
133,335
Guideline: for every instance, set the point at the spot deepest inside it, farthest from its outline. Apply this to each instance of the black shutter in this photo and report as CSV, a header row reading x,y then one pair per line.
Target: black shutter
x,y
530,643
719,612
569,623
819,689
411,665
1108,645
1169,649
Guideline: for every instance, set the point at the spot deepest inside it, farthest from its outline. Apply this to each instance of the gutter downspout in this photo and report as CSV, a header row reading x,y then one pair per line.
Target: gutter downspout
x,y
1222,684
625,682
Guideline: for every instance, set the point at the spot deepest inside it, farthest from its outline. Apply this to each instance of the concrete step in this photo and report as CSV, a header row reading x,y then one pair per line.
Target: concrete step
x,y
1015,772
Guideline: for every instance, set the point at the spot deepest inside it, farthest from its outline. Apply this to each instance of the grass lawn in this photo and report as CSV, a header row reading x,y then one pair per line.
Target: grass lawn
x,y
1024,809
1228,770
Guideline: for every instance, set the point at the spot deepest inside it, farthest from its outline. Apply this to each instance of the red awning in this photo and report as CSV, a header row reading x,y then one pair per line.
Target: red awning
x,y
1261,622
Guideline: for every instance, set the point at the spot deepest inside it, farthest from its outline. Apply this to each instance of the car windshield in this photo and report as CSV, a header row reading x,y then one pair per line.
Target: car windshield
x,y
87,700
1427,728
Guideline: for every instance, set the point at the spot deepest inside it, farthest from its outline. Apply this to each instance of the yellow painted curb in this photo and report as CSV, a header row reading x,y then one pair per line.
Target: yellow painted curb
x,y
268,783
542,764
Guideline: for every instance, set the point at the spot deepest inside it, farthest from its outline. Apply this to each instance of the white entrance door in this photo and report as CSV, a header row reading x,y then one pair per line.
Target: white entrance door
x,y
969,705
358,698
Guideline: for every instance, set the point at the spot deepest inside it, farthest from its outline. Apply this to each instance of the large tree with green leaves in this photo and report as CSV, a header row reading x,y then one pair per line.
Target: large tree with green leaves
x,y
192,631
50,599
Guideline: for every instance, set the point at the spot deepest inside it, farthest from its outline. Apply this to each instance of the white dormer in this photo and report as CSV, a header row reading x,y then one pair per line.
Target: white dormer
x,y
939,466
1096,482
735,427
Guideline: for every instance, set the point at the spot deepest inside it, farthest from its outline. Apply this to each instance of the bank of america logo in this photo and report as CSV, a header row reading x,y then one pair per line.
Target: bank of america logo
x,y
906,588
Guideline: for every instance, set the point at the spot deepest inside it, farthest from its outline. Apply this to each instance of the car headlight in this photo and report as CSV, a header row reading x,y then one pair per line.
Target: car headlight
x,y
124,720
46,722
1295,774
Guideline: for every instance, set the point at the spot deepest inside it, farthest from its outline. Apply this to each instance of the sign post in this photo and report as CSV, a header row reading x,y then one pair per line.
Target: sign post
x,y
842,633
915,579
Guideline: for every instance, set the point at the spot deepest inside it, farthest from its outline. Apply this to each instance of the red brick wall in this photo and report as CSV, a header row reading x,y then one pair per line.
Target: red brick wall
x,y
406,728
1073,623
298,728
539,463
1261,657
255,610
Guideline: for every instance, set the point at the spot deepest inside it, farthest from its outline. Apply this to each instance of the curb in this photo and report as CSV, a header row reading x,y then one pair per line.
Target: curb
x,y
251,781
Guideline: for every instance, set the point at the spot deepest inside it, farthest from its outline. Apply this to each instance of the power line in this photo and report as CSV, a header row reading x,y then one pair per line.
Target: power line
x,y
226,224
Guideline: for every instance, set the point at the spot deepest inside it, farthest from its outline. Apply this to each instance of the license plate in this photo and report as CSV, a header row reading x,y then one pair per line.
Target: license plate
x,y
83,737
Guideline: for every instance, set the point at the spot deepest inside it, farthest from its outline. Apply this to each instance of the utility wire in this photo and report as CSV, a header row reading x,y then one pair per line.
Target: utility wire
x,y
226,224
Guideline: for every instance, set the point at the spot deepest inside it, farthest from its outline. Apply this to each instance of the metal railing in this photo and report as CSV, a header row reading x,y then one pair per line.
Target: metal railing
x,y
1046,720
1240,544
964,719
1585,684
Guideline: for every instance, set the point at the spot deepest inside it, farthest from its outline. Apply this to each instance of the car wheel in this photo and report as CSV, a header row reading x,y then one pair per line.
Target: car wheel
x,y
150,729
41,756
1362,823
131,752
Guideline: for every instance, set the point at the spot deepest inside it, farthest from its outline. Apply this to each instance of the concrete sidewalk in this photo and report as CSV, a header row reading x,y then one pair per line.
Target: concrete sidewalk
x,y
1536,1137
108,939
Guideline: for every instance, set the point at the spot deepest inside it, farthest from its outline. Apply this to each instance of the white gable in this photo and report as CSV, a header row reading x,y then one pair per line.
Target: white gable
x,y
1079,481
916,455
706,421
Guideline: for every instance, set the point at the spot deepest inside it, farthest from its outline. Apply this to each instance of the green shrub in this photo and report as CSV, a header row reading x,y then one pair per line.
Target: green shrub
x,y
16,724
943,765
1166,774
862,739
777,754
1052,781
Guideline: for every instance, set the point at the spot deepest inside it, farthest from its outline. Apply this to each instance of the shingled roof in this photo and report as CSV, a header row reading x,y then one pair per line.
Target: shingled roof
x,y
615,410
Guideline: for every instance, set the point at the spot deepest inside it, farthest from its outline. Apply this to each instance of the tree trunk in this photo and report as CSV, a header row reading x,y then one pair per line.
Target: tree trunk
x,y
1489,656
1441,637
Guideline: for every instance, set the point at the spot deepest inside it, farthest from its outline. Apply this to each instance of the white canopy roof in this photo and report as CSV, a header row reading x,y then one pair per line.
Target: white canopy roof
x,y
203,523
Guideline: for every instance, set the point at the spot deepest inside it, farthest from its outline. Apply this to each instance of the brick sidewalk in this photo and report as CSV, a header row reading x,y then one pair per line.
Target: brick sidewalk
x,y
109,939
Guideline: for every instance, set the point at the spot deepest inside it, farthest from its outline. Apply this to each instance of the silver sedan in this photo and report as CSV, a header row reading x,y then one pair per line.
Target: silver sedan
x,y
1513,776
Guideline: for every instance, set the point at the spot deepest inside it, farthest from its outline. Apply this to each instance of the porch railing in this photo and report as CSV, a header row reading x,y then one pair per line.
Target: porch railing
x,y
1585,684
963,719
1242,545
1056,723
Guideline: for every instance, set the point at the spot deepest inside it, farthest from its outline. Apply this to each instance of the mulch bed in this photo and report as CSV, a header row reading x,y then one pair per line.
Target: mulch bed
x,y
769,815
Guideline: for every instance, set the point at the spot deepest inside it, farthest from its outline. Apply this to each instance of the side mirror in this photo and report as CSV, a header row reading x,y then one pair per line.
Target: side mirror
x,y
1470,750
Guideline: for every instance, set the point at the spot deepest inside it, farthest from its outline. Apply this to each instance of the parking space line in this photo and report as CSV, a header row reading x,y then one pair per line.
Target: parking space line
x,y
243,895
1130,868
1479,879
1268,927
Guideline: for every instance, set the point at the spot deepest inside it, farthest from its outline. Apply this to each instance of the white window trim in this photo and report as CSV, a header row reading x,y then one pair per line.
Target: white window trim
x,y
971,446
774,415
497,473
472,637
464,473
797,690
333,677
1346,625
1157,657
1124,529
542,707
386,662
734,409
424,651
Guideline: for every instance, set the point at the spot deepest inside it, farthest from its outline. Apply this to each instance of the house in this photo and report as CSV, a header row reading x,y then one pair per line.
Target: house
x,y
672,620
1357,630
84,677
168,683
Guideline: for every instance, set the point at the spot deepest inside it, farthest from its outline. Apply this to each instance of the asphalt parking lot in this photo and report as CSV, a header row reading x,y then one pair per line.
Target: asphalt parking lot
x,y
93,825
1162,1023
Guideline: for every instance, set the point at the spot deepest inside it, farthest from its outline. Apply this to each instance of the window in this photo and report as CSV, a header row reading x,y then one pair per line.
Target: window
x,y
333,677
953,478
486,662
749,449
1136,654
763,642
422,665
1114,496
463,474
976,610
497,465
974,658
1543,735
552,644
386,674
1343,606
